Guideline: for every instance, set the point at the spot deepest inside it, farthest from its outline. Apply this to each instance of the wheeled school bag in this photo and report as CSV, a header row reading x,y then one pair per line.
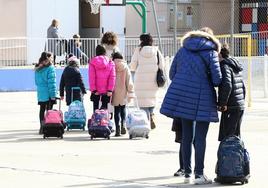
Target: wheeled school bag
x,y
137,122
53,125
75,117
100,125
233,162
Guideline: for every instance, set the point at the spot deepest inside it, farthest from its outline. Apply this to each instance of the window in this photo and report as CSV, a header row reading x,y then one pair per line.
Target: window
x,y
187,16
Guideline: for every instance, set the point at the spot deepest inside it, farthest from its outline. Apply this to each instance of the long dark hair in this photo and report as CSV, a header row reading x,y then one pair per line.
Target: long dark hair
x,y
44,56
146,40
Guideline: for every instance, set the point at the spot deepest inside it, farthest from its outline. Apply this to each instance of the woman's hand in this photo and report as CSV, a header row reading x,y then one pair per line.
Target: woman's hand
x,y
109,93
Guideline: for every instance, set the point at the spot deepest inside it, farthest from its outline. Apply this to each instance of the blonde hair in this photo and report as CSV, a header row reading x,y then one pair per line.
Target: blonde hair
x,y
207,30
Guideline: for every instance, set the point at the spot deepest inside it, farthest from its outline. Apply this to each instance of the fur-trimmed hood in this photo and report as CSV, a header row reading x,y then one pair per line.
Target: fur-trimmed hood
x,y
199,40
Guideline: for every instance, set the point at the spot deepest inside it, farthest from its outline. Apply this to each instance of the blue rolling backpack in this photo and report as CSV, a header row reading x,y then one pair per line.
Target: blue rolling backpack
x,y
75,117
233,162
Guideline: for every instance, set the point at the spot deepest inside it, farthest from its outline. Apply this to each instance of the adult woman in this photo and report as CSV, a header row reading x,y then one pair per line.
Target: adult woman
x,y
195,71
45,80
71,77
53,35
144,63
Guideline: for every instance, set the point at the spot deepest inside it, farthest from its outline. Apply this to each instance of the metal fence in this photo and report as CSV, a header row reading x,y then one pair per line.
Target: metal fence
x,y
16,52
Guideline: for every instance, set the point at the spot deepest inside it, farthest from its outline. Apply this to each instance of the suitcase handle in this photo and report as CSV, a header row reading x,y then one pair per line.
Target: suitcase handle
x,y
72,93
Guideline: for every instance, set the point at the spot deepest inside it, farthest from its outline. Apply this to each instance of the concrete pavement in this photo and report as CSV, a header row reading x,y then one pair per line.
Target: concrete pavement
x,y
26,160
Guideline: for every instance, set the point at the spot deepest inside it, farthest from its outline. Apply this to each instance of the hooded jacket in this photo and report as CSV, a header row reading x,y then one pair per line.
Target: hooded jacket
x,y
45,81
232,88
144,64
101,74
71,77
191,94
124,86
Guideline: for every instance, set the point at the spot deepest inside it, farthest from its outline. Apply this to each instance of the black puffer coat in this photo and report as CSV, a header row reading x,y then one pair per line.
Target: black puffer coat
x,y
232,88
71,77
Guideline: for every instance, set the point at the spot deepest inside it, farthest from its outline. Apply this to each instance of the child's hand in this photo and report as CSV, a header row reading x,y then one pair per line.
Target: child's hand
x,y
62,97
109,93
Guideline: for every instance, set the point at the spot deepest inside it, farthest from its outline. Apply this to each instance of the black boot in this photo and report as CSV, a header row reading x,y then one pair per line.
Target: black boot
x,y
41,128
123,129
117,131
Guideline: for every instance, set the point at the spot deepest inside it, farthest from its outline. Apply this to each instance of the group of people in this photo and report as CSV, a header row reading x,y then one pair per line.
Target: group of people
x,y
200,65
58,45
110,79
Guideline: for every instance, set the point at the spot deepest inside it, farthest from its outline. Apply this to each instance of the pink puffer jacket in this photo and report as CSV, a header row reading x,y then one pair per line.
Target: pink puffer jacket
x,y
101,74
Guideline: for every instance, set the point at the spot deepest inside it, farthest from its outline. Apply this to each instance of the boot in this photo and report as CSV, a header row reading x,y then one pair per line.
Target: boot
x,y
41,128
123,129
117,131
152,120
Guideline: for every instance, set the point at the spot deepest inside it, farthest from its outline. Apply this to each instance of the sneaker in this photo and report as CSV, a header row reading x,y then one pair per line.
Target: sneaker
x,y
187,178
179,173
202,180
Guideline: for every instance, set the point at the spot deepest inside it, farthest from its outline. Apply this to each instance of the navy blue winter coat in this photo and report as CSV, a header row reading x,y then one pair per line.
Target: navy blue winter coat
x,y
194,73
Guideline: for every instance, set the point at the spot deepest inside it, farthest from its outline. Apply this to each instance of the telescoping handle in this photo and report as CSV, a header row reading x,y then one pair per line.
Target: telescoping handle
x,y
72,95
59,99
135,105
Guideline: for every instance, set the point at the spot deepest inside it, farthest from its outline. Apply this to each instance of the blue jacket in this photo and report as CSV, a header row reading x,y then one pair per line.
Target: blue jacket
x,y
45,80
194,73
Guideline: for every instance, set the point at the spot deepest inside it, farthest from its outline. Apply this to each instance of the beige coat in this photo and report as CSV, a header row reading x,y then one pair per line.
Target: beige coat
x,y
144,64
124,87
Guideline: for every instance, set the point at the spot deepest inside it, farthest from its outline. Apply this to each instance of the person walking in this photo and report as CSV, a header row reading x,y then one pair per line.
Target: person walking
x,y
191,96
123,92
74,47
145,62
45,81
231,99
71,77
101,78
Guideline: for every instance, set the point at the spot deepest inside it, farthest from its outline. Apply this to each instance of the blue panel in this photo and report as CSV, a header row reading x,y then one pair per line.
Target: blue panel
x,y
23,79
262,46
254,27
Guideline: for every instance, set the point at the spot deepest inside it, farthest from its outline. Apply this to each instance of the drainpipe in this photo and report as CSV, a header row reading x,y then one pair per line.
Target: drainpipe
x,y
142,14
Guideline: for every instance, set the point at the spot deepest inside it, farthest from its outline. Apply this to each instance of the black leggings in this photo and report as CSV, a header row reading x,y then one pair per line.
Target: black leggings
x,y
43,107
119,114
180,156
105,99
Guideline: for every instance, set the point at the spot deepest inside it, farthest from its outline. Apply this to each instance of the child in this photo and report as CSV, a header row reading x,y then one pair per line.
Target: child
x,y
45,81
124,89
177,128
101,78
231,100
71,77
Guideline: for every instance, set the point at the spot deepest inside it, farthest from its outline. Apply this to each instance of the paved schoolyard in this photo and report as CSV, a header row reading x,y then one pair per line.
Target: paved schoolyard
x,y
26,160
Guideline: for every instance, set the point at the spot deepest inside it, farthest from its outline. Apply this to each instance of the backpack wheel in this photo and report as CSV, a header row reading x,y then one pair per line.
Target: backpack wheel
x,y
130,136
44,136
91,137
147,136
108,137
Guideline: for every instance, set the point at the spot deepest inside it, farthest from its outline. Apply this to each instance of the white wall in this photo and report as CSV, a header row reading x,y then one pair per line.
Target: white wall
x,y
39,16
113,18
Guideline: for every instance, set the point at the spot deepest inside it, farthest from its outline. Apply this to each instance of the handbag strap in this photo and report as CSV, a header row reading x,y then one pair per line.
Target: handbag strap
x,y
157,58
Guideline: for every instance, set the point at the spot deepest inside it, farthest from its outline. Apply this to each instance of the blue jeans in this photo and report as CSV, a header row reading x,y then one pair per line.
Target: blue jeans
x,y
194,132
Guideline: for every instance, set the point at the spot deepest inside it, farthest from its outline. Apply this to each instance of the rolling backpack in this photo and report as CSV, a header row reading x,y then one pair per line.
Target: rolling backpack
x,y
233,161
53,123
100,126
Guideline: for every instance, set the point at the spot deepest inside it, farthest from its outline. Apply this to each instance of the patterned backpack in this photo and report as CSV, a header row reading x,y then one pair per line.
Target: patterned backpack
x,y
76,111
100,118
